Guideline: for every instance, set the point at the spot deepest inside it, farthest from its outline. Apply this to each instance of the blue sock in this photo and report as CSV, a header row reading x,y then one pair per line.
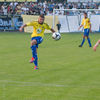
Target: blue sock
x,y
34,54
36,60
33,50
83,42
89,42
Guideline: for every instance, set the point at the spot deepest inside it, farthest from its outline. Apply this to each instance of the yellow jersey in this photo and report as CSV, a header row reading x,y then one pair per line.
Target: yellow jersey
x,y
86,23
38,29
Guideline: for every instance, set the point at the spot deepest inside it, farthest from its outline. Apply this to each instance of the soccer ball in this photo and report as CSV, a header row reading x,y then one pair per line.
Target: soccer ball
x,y
56,36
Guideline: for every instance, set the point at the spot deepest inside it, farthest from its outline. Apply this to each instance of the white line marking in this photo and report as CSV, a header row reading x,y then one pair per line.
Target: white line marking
x,y
30,83
20,84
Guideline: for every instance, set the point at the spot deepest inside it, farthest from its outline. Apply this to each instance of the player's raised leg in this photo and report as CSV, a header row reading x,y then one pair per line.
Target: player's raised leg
x,y
34,46
34,53
96,45
33,42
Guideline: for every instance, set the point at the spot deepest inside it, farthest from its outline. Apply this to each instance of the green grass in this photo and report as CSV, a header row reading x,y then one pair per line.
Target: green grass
x,y
66,72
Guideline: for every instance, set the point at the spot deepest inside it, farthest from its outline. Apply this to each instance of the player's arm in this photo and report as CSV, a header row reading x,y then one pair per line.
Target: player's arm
x,y
22,27
52,30
25,25
90,28
80,26
96,45
90,25
49,28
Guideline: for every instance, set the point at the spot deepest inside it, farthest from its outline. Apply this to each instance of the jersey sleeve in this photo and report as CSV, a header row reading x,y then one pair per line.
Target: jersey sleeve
x,y
47,27
30,24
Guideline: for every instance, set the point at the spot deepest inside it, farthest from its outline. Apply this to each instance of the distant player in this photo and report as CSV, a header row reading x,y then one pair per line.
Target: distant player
x,y
58,26
37,36
87,28
96,45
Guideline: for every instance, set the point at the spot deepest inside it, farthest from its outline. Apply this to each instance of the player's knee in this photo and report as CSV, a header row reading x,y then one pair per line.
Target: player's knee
x,y
98,41
87,37
33,42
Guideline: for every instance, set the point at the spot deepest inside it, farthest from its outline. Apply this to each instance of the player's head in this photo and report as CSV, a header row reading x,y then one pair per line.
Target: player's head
x,y
41,19
58,22
85,15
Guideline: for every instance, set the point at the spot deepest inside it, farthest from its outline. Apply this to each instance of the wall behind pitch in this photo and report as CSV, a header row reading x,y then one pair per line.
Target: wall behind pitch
x,y
29,18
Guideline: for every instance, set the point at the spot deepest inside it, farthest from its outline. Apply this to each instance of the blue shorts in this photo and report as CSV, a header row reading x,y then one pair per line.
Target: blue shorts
x,y
86,32
38,39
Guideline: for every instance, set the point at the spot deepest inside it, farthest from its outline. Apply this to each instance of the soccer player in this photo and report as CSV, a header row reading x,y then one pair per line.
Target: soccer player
x,y
58,26
96,45
87,28
37,36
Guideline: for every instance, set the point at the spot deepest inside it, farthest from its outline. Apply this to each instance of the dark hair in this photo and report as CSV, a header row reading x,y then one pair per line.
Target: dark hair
x,y
85,13
42,16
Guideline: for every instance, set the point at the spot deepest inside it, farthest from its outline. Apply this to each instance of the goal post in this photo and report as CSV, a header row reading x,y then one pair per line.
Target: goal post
x,y
70,19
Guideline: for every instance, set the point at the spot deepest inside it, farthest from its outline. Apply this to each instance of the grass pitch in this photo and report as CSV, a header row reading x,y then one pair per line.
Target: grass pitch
x,y
66,72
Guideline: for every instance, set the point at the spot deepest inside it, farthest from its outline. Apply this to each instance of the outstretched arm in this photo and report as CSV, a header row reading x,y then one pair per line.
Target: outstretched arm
x,y
96,45
52,30
80,27
82,24
21,28
90,28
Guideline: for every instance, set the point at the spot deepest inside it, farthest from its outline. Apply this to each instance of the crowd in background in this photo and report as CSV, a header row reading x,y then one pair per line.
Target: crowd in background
x,y
36,8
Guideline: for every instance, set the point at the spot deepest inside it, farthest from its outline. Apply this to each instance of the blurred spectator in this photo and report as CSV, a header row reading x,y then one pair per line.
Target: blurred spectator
x,y
4,9
43,7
